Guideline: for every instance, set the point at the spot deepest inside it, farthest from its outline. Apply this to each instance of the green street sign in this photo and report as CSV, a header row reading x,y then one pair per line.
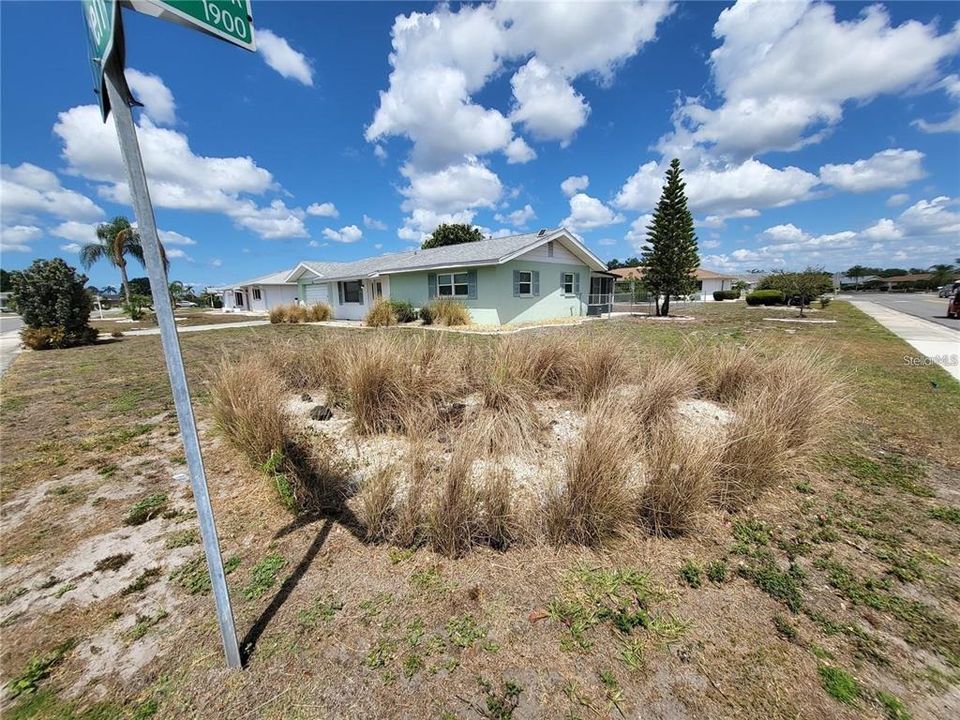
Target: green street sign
x,y
230,20
100,17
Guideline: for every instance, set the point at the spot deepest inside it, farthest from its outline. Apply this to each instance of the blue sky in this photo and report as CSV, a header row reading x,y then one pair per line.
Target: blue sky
x,y
811,133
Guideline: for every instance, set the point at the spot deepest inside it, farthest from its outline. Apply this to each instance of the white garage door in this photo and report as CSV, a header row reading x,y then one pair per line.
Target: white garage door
x,y
316,294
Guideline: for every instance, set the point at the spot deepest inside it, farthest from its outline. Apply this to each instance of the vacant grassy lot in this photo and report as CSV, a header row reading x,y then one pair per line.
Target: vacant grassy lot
x,y
834,596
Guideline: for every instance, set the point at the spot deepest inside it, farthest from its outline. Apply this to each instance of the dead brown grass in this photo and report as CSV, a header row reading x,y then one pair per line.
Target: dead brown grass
x,y
376,503
381,315
755,454
600,366
455,518
297,313
679,480
506,419
595,501
729,372
501,524
412,522
663,382
248,408
247,398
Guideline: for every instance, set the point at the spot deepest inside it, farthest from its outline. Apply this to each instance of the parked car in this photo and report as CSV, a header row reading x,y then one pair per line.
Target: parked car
x,y
186,303
953,307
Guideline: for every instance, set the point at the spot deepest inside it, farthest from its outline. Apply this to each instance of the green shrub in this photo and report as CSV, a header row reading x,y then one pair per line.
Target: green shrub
x,y
403,310
426,315
54,305
449,312
765,297
137,307
381,314
719,295
50,338
690,574
824,301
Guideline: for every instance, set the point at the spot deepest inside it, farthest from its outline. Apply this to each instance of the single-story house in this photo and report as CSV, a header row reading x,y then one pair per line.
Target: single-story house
x,y
260,294
521,278
708,281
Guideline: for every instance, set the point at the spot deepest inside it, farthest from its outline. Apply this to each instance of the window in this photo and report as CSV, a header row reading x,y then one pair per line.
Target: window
x,y
525,282
569,280
378,289
351,291
550,249
256,294
453,284
238,299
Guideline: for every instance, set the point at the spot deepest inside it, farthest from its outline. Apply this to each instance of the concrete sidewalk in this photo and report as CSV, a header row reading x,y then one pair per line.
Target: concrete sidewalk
x,y
937,343
9,347
197,328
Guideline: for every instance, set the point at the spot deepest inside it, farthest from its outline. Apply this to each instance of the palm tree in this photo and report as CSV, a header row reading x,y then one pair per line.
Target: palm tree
x,y
115,241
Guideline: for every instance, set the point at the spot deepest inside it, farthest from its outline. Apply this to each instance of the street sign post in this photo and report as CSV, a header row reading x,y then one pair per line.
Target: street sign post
x,y
229,20
105,33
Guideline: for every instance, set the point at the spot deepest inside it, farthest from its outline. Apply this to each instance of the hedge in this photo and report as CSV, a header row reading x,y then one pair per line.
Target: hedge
x,y
719,295
765,297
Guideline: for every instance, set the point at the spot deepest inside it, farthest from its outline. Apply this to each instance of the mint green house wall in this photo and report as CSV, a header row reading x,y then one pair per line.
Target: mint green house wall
x,y
495,303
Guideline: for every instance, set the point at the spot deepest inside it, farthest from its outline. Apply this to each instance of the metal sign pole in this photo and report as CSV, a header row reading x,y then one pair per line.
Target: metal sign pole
x,y
147,229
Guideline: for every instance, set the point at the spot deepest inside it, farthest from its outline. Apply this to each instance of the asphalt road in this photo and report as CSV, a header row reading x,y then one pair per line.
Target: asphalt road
x,y
922,305
9,322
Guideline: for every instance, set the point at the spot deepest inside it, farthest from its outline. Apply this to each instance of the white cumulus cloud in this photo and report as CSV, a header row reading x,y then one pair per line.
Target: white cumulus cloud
x,y
587,213
15,238
517,218
156,97
278,54
885,169
325,209
348,234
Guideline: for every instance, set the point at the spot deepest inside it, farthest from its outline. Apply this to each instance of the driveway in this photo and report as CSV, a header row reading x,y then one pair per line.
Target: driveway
x,y
922,305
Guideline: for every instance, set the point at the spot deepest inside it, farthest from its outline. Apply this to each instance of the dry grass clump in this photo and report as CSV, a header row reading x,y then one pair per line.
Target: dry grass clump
x,y
412,517
376,502
810,395
449,312
680,471
455,517
310,366
600,366
506,420
381,315
595,502
500,522
756,452
248,407
374,382
663,383
296,313
399,384
248,410
729,372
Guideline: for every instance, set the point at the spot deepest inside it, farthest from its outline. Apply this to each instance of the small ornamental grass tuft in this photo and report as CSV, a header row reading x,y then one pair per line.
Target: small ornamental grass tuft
x,y
381,314
445,311
595,502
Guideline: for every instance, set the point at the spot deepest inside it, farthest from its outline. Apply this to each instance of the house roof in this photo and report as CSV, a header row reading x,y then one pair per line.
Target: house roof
x,y
492,251
277,278
907,278
636,273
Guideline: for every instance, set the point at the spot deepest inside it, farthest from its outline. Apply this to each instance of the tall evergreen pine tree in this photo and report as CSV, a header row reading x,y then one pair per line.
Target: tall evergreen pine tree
x,y
670,256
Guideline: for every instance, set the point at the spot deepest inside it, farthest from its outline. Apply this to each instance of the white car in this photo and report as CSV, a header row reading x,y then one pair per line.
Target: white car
x,y
186,303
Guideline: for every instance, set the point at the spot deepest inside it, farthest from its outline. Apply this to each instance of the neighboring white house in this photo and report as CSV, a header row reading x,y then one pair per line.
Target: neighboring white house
x,y
260,294
708,281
